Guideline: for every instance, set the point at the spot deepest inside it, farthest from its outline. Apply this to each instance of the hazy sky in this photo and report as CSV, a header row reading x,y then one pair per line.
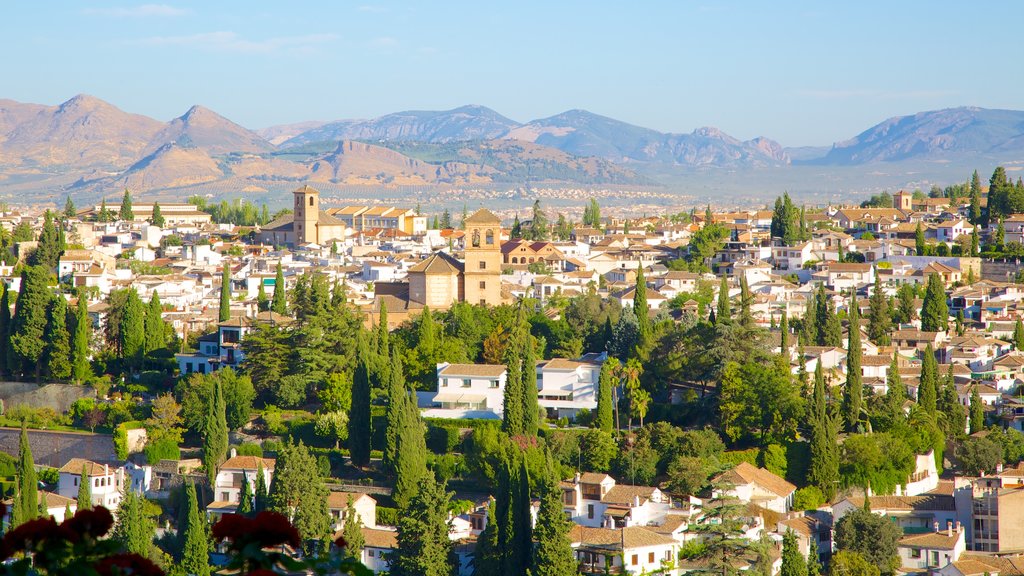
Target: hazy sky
x,y
803,73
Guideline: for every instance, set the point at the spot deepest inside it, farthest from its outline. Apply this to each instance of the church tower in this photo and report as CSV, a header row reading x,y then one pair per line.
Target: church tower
x,y
482,272
306,213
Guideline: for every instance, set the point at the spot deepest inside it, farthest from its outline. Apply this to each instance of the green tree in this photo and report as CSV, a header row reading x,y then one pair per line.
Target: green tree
x,y
1018,335
262,302
156,335
27,497
224,311
84,491
298,491
424,548
847,563
879,318
132,333
823,469
260,496
919,242
896,392
157,219
975,209
927,392
28,324
352,531
360,421
215,434
126,207
195,555
813,560
245,498
640,307
553,555
831,328
279,303
539,227
605,383
934,310
410,453
48,250
724,533
531,408
58,341
134,528
872,536
80,367
486,554
513,416
979,455
397,397
977,411
723,313
853,393
793,562
69,208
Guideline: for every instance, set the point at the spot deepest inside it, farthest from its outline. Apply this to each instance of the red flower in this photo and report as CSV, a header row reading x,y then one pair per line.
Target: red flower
x,y
267,529
95,522
34,532
127,565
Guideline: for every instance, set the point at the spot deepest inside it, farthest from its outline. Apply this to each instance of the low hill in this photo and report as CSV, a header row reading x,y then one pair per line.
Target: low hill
x,y
203,128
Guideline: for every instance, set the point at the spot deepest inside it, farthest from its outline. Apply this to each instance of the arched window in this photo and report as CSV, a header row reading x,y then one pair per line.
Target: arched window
x,y
490,237
310,200
476,238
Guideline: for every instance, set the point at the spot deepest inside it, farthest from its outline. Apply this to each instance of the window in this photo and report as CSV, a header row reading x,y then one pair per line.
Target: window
x,y
483,285
466,382
444,382
483,265
494,383
310,200
915,553
935,558
225,497
590,511
650,557
370,553
635,559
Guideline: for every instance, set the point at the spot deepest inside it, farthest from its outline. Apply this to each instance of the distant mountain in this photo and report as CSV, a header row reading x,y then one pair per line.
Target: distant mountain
x,y
938,134
281,133
464,123
203,128
170,166
84,131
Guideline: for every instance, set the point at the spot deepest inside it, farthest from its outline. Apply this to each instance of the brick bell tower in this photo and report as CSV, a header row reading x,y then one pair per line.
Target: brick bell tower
x,y
482,272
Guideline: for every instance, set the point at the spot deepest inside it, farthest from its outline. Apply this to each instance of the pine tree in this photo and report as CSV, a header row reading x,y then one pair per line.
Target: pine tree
x,y
934,310
80,367
723,313
195,555
927,392
410,453
58,341
259,498
156,338
27,501
352,531
359,417
69,208
977,411
84,491
605,382
215,437
28,324
531,408
133,529
157,219
853,394
424,548
245,498
297,490
793,562
553,555
126,206
224,312
879,318
279,303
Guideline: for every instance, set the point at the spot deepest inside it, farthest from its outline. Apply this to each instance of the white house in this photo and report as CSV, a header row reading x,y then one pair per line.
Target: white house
x,y
632,550
364,505
56,506
932,550
227,487
751,484
593,499
378,545
105,481
469,391
565,386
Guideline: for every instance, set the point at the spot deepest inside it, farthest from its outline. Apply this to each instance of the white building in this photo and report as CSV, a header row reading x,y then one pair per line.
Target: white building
x,y
469,391
933,550
227,488
751,484
565,386
105,482
594,500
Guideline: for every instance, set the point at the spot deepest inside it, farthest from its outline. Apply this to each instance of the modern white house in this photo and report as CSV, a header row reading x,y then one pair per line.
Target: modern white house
x,y
105,481
469,391
567,386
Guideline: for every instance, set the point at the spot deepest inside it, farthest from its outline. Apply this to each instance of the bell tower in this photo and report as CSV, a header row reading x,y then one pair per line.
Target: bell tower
x,y
306,213
482,270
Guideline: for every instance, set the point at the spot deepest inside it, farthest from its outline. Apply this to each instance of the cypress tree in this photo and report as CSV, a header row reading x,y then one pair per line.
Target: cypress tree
x,y
553,555
723,313
279,303
215,438
784,335
28,324
832,333
853,394
919,242
487,553
821,308
954,420
134,530
530,405
352,531
410,454
224,312
1018,335
48,251
606,380
424,548
27,501
640,307
746,318
297,490
927,392
84,491
522,545
126,206
879,318
793,562
69,208
397,398
823,470
195,555
934,310
896,393
975,210
245,503
156,338
383,343
359,417
58,341
977,411
157,219
262,303
133,331
512,418
80,367
260,496
5,329
813,559
426,340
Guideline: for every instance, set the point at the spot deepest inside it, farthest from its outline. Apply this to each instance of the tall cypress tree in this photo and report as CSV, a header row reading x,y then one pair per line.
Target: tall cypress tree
x,y
605,382
487,553
896,392
156,338
832,329
823,470
195,556
853,394
383,343
410,455
723,313
513,416
927,388
126,212
262,303
133,331
279,303
640,307
260,495
245,499
359,417
5,329
522,545
352,531
934,310
975,210
28,324
27,501
530,405
424,548
224,312
397,398
793,562
157,219
553,555
215,437
977,411
746,318
879,318
84,491
1018,335
58,341
784,335
80,367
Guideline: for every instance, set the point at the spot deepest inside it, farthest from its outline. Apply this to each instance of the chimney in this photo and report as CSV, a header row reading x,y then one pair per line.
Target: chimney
x,y
233,452
576,479
935,526
959,527
636,501
949,528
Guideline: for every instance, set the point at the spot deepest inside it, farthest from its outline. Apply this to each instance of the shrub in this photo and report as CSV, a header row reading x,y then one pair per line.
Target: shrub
x,y
162,449
249,449
387,516
442,439
808,498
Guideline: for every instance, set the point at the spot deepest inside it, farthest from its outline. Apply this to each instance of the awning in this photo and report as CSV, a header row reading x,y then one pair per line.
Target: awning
x,y
554,392
459,398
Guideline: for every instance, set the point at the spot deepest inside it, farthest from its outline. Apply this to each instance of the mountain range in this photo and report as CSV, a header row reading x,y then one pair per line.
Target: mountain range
x,y
91,147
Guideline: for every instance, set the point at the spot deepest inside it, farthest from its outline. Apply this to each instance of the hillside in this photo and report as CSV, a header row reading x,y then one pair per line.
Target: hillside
x,y
216,135
938,134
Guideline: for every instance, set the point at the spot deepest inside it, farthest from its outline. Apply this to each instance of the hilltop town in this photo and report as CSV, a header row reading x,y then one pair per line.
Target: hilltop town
x,y
785,390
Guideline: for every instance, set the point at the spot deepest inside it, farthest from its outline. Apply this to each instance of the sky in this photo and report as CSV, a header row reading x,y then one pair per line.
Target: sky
x,y
802,73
